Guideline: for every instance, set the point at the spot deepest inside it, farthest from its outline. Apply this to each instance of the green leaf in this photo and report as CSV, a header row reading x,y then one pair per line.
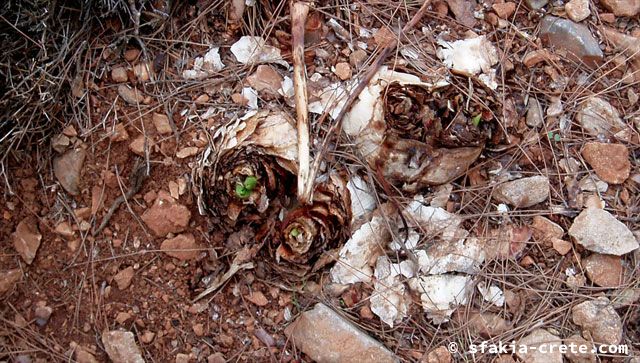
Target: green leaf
x,y
476,120
550,135
250,183
295,232
242,192
556,137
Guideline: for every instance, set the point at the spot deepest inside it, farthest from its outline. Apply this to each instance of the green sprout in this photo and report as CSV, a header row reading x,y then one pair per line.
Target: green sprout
x,y
250,182
295,232
243,190
553,136
476,120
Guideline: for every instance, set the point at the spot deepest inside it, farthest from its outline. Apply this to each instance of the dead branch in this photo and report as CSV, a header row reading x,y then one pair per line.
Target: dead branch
x,y
299,11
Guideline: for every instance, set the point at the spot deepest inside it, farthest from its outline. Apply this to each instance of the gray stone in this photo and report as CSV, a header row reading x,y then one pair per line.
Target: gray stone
x,y
523,193
535,116
121,347
599,319
42,314
598,231
536,4
576,39
325,336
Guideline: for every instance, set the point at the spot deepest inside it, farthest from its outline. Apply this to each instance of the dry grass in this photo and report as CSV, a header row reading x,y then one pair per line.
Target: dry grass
x,y
46,51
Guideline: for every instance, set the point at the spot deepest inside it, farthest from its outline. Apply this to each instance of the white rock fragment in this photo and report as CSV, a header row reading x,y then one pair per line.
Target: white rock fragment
x,y
491,294
389,300
489,79
555,107
253,49
430,220
535,115
363,200
251,96
469,56
407,240
286,90
599,231
441,294
212,59
205,66
592,183
502,208
331,98
455,255
364,246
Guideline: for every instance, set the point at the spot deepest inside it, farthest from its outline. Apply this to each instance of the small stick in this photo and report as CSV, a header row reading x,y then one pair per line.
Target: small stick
x,y
299,11
138,175
364,82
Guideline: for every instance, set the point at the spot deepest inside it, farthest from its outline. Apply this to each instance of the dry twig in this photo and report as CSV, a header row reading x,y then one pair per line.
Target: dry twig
x,y
299,11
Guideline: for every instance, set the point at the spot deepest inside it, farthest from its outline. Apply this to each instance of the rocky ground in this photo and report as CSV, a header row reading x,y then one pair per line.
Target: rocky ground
x,y
483,187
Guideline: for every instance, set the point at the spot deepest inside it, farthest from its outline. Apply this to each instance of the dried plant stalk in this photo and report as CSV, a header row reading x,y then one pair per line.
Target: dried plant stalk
x,y
299,11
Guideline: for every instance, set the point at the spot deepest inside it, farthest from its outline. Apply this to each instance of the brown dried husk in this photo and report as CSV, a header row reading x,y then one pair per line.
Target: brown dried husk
x,y
408,114
403,126
323,227
263,146
434,118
